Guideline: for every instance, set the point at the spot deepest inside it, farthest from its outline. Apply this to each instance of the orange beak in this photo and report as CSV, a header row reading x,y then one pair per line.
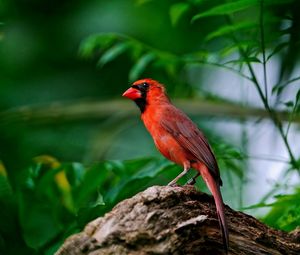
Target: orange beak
x,y
132,94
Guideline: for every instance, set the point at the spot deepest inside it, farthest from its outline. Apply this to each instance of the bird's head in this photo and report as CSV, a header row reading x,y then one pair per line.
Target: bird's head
x,y
146,91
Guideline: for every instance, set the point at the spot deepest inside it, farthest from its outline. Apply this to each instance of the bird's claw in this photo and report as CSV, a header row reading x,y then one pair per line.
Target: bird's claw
x,y
191,181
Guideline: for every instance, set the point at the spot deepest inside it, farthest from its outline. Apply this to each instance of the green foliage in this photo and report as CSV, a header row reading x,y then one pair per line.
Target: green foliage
x,y
177,11
111,46
54,199
236,6
172,41
228,8
113,53
139,67
285,212
230,29
5,187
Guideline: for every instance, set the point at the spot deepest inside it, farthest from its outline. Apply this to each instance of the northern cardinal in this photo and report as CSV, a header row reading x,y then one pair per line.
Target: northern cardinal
x,y
178,139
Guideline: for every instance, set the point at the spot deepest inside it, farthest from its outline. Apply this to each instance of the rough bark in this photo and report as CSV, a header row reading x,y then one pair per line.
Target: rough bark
x,y
176,220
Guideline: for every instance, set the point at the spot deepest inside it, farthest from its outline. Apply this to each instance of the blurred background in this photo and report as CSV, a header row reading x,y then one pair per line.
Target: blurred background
x,y
71,147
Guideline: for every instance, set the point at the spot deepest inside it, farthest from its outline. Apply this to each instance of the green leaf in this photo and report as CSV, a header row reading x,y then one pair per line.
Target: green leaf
x,y
255,206
278,88
136,50
75,173
152,169
297,97
92,182
177,11
275,2
285,212
99,41
244,60
229,29
197,2
237,46
225,9
113,53
236,6
234,167
169,62
98,201
5,187
277,49
141,2
137,181
37,221
284,215
126,169
140,66
289,104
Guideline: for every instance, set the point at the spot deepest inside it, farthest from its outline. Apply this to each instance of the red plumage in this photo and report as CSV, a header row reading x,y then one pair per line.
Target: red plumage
x,y
178,139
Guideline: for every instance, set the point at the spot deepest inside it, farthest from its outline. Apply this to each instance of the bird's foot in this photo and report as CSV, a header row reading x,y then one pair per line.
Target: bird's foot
x,y
191,181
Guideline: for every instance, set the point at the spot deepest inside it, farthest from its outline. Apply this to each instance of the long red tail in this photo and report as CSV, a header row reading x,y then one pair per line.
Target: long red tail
x,y
214,188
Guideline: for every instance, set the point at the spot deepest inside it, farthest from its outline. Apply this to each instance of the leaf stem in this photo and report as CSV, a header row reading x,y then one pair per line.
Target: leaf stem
x,y
221,65
273,115
263,47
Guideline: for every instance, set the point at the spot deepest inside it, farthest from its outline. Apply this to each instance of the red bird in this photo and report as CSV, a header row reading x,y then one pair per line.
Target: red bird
x,y
178,139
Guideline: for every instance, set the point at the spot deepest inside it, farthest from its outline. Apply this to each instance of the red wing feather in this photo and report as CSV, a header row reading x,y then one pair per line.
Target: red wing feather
x,y
190,138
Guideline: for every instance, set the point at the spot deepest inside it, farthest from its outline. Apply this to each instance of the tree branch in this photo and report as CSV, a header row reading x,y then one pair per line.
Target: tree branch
x,y
176,220
76,111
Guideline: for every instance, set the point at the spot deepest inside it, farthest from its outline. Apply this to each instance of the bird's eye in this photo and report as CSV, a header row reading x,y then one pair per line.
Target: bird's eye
x,y
145,85
142,86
